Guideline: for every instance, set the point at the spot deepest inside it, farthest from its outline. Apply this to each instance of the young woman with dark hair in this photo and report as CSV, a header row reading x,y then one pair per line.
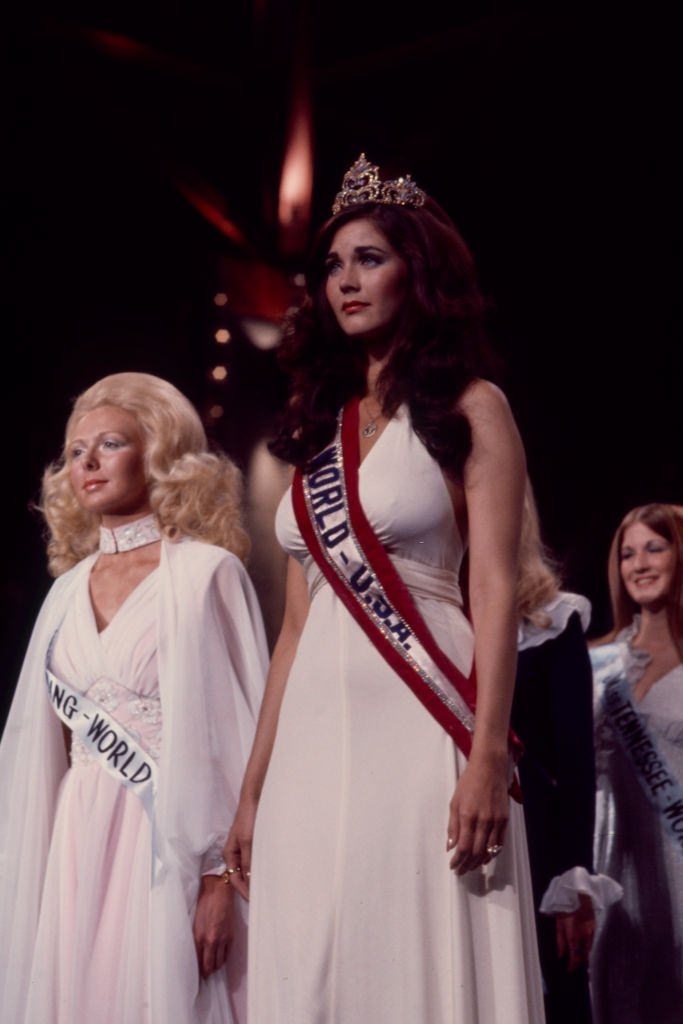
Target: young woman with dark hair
x,y
439,344
386,865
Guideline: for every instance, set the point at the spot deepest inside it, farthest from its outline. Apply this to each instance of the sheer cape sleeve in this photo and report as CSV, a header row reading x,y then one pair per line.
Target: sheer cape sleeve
x,y
32,762
212,668
212,657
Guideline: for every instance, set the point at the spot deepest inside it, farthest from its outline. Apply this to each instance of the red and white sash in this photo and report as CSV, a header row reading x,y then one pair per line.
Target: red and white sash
x,y
356,565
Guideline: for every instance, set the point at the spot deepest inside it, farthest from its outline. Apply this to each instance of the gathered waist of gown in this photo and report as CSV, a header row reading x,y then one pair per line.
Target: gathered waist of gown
x,y
139,715
422,580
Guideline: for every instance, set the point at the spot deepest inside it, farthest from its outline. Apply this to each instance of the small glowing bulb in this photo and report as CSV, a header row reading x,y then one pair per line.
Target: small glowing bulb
x,y
215,412
219,372
222,336
220,299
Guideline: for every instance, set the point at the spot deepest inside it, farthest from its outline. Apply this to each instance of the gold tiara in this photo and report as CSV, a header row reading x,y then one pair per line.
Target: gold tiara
x,y
361,184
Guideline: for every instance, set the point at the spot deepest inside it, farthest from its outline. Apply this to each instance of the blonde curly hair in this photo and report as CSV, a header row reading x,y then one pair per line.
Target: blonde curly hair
x,y
538,580
192,492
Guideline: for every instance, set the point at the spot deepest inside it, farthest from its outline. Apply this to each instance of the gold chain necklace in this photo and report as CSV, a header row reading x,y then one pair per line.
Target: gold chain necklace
x,y
370,427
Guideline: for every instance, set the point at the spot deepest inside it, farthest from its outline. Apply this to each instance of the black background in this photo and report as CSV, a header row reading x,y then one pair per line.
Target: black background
x,y
549,132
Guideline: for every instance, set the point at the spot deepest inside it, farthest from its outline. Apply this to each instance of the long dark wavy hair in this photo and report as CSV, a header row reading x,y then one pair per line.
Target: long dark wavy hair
x,y
440,343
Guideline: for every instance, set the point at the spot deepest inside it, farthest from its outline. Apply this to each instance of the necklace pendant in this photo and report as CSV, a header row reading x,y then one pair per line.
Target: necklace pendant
x,y
369,429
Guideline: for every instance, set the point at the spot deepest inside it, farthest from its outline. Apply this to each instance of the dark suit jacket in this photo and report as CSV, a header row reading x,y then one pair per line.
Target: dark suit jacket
x,y
553,716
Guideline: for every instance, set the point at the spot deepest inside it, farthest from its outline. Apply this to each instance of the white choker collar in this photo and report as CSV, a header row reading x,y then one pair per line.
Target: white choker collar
x,y
130,535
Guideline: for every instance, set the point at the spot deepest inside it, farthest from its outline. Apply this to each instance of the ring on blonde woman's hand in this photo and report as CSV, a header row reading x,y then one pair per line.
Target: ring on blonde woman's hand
x,y
494,849
233,871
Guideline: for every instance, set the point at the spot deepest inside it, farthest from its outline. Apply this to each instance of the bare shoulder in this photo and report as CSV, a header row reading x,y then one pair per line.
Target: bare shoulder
x,y
494,430
482,400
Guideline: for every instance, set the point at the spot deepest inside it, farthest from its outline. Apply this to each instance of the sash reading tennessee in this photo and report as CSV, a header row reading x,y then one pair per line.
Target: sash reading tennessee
x,y
658,781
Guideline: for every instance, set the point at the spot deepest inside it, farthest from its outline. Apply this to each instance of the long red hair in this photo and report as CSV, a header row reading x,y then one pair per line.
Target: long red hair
x,y
667,522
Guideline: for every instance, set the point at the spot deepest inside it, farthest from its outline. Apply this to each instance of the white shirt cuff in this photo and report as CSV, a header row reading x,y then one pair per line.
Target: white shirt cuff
x,y
562,895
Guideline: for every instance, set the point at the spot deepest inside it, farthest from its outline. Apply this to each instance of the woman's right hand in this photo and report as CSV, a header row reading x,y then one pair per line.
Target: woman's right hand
x,y
237,849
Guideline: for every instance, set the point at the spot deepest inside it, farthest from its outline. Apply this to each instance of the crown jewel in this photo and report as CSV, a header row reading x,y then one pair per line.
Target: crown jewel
x,y
361,184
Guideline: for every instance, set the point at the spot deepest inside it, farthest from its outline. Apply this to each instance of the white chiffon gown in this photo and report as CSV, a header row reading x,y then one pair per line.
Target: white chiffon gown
x,y
96,902
355,916
95,906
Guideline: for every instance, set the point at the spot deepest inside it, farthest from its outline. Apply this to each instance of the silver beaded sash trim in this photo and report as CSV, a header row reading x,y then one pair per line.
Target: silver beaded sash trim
x,y
326,499
659,783
109,743
130,535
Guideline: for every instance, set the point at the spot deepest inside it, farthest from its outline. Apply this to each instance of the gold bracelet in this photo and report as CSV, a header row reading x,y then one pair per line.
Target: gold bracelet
x,y
226,877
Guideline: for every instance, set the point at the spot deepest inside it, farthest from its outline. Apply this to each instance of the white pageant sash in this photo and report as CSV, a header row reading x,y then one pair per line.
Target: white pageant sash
x,y
115,750
659,783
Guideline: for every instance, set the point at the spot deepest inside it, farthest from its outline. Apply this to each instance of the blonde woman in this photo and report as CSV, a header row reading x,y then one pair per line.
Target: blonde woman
x,y
130,726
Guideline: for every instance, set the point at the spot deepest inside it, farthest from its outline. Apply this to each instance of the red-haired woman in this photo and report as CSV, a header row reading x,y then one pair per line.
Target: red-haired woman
x,y
637,963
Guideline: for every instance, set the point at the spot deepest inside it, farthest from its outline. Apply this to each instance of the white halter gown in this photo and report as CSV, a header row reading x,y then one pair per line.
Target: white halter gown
x,y
355,916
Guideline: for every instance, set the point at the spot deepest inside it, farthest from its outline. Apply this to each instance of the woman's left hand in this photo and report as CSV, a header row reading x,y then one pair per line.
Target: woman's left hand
x,y
213,924
479,813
